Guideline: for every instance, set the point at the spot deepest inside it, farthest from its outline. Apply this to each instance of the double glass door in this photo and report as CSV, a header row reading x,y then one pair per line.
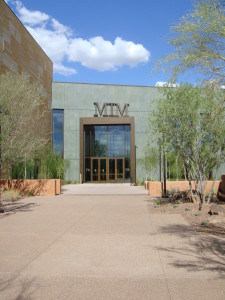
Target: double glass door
x,y
116,169
98,169
110,169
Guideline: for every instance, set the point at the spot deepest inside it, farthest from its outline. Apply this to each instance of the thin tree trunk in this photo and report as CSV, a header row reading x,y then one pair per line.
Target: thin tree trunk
x,y
212,187
25,170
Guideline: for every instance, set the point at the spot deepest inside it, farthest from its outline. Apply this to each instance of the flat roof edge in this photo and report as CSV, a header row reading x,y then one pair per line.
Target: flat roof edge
x,y
107,84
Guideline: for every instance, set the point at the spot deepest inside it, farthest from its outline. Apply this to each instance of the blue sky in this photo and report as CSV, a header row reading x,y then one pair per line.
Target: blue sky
x,y
103,41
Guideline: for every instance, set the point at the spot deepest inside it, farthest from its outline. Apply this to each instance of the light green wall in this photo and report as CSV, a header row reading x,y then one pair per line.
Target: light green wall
x,y
77,100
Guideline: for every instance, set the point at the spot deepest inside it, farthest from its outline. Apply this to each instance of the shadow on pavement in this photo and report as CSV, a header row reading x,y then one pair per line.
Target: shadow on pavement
x,y
198,252
12,208
23,291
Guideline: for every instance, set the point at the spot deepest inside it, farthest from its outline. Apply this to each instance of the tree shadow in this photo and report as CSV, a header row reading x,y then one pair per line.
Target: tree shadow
x,y
12,208
198,252
24,290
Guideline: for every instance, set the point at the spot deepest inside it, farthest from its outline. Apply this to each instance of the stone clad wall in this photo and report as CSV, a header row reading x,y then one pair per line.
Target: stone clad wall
x,y
20,53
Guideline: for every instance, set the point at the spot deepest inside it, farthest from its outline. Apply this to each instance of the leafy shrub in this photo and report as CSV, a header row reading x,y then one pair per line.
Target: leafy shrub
x,y
172,192
10,195
159,201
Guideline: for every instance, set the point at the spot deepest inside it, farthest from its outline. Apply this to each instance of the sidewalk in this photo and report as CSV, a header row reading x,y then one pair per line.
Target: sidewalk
x,y
105,247
103,189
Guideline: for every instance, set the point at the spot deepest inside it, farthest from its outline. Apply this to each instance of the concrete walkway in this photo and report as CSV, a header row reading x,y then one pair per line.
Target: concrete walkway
x,y
103,189
105,247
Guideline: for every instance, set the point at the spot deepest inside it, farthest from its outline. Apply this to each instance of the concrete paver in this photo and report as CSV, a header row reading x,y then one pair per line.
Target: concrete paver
x,y
105,247
103,189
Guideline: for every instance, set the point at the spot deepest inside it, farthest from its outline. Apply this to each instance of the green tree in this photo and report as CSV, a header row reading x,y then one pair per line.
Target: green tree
x,y
199,42
151,159
191,122
24,122
52,165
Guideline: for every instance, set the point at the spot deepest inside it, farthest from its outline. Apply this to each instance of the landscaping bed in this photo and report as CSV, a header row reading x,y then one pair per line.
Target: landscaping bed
x,y
210,220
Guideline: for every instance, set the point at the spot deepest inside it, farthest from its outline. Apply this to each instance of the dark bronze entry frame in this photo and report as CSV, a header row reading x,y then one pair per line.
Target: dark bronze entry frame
x,y
109,121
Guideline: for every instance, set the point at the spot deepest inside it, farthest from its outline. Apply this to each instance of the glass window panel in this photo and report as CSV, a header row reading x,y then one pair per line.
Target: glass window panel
x,y
58,142
57,120
127,140
99,141
115,141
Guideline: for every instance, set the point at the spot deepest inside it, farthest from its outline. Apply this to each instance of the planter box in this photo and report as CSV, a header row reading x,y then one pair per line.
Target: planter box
x,y
155,186
36,187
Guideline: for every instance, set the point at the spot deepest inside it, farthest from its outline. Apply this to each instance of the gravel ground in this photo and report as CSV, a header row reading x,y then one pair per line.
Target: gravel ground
x,y
202,221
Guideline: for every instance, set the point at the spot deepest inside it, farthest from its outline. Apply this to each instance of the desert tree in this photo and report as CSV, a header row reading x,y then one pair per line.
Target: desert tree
x,y
190,121
198,42
24,119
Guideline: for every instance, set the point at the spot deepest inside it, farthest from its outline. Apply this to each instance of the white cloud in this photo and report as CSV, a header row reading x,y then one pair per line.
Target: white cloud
x,y
164,83
61,69
59,43
103,55
29,17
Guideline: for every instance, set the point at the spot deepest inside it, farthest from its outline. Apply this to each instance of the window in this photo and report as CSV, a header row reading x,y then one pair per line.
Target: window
x,y
57,136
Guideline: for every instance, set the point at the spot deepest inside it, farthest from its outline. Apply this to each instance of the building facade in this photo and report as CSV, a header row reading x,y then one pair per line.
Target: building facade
x,y
101,130
21,54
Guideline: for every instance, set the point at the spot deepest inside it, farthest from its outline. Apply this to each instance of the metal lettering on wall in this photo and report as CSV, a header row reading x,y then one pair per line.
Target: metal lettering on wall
x,y
111,110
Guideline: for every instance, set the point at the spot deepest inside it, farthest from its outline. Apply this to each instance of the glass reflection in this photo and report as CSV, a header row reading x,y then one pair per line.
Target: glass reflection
x,y
116,141
57,120
57,136
99,141
111,141
107,152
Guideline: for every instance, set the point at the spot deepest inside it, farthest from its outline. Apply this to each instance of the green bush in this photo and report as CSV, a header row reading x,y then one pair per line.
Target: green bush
x,y
53,166
159,201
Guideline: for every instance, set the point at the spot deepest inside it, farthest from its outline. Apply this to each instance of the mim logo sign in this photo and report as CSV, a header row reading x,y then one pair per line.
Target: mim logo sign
x,y
111,110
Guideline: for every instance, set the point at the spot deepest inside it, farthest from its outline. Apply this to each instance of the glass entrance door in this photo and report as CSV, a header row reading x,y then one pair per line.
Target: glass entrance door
x,y
116,169
95,169
102,162
106,153
112,169
98,169
119,169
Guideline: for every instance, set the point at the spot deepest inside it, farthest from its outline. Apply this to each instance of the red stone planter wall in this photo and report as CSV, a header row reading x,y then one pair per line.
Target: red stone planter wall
x,y
154,187
37,187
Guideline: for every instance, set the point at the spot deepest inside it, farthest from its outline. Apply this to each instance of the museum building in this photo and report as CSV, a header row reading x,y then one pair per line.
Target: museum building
x,y
101,130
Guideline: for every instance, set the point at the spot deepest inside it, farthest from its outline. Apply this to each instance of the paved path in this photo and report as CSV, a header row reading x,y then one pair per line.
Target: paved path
x,y
103,189
105,247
